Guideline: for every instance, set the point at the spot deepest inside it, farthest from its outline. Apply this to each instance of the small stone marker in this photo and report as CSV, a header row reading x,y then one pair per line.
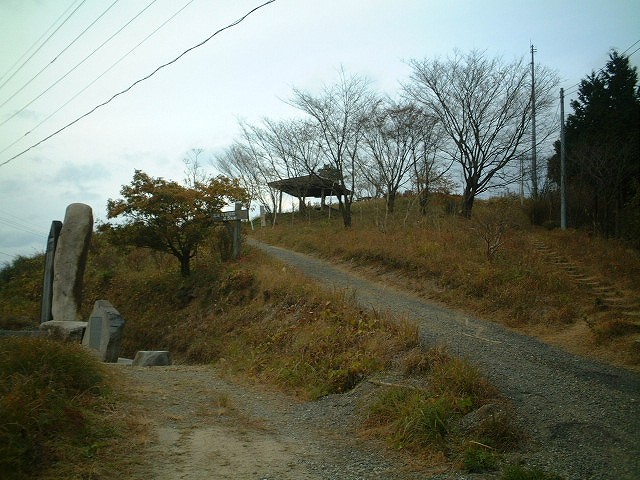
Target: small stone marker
x,y
65,331
103,334
69,262
151,358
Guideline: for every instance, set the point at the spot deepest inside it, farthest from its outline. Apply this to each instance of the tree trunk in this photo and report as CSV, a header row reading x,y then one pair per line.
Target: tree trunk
x,y
467,202
391,202
423,199
345,210
185,265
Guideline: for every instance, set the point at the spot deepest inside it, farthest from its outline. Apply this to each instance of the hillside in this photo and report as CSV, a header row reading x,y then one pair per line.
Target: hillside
x,y
258,320
570,288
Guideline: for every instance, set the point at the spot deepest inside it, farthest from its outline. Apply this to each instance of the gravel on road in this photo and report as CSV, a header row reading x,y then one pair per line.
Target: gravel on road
x,y
583,417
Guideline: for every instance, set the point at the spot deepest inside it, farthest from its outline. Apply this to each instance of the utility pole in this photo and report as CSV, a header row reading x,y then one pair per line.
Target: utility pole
x,y
534,161
563,197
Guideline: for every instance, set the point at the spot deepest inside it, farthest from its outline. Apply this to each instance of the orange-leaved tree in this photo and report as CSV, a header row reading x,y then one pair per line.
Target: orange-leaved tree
x,y
166,216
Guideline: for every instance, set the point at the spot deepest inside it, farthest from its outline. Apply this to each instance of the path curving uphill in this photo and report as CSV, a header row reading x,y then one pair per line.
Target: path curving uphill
x,y
583,416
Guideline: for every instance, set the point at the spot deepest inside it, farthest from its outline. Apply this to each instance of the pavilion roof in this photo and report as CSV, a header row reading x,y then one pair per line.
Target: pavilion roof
x,y
309,186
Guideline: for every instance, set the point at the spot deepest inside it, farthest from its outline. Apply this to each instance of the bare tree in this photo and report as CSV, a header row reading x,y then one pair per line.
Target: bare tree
x,y
338,114
294,143
389,141
484,107
238,162
193,167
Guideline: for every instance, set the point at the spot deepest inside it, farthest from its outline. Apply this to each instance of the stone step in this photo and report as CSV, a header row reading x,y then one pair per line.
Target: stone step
x,y
620,304
577,276
604,289
593,284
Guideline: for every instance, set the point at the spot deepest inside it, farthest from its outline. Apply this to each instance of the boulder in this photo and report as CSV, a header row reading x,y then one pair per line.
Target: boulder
x,y
65,331
484,416
69,262
103,334
151,358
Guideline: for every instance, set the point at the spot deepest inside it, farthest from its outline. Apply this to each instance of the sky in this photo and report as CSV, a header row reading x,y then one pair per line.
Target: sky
x,y
245,72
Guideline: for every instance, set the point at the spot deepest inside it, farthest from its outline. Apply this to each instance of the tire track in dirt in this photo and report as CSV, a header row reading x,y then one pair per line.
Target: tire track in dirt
x,y
583,416
206,427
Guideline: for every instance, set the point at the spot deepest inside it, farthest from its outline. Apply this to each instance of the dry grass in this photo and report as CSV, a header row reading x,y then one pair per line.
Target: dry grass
x,y
430,417
58,415
255,319
488,266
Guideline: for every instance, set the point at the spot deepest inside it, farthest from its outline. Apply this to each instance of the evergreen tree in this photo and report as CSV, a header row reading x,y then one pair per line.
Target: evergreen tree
x,y
603,147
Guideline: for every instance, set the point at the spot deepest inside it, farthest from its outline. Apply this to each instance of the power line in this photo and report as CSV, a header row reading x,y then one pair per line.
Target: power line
x,y
98,77
41,45
634,50
574,88
18,219
233,24
630,47
18,226
38,40
57,56
78,64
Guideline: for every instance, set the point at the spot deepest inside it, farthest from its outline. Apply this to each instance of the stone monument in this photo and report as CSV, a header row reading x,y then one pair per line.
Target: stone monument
x,y
69,262
47,284
103,334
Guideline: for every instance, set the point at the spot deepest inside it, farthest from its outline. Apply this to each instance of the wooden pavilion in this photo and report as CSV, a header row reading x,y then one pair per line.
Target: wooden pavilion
x,y
315,186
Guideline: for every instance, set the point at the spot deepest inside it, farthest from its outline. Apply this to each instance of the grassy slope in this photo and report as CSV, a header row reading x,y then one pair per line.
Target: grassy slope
x,y
256,321
444,258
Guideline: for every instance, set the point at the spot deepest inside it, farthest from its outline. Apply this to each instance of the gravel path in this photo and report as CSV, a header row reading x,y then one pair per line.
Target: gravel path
x,y
583,416
206,427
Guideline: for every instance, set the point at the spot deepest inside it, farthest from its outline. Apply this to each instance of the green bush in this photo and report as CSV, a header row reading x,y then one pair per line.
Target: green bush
x,y
47,390
478,460
521,473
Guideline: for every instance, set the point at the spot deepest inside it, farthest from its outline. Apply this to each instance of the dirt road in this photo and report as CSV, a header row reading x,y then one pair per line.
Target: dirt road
x,y
204,427
584,416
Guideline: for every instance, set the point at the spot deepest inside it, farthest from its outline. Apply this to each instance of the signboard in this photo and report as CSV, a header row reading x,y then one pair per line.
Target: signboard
x,y
232,222
237,214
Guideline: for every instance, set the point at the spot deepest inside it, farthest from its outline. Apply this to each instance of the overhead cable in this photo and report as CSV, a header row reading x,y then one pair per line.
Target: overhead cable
x,y
233,24
41,45
574,88
57,56
97,78
20,226
77,65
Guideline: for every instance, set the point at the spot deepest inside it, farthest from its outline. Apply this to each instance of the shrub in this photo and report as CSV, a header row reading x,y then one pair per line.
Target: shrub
x,y
478,460
428,419
521,473
47,391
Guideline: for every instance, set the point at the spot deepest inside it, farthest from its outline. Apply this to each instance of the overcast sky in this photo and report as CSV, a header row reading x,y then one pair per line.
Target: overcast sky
x,y
244,72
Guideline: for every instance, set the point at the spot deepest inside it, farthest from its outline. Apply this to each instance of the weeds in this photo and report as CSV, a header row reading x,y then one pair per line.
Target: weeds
x,y
521,473
487,266
51,396
454,416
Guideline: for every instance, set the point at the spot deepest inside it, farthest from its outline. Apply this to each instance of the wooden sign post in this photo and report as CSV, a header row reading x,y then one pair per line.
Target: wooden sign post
x,y
233,221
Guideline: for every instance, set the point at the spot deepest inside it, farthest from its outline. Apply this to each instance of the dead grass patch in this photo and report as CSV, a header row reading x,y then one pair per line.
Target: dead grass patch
x,y
444,257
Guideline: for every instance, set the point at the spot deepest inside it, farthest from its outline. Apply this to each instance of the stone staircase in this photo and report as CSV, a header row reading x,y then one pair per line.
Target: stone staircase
x,y
606,296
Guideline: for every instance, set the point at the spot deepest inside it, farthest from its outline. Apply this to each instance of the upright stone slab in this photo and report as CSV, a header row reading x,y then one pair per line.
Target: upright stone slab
x,y
47,283
103,334
69,262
